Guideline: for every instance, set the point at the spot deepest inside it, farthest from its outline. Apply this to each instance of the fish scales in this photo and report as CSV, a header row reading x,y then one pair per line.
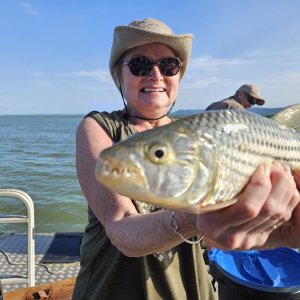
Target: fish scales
x,y
244,147
197,163
241,146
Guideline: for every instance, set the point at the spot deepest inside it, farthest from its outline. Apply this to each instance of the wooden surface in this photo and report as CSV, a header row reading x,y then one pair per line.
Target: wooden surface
x,y
58,290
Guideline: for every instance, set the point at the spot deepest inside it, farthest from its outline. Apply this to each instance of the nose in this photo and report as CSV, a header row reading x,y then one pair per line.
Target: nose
x,y
155,73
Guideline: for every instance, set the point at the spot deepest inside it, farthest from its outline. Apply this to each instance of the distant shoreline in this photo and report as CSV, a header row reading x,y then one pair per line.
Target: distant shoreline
x,y
178,113
266,112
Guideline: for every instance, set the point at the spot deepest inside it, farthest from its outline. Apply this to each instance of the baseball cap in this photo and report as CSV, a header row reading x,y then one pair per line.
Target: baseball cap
x,y
253,91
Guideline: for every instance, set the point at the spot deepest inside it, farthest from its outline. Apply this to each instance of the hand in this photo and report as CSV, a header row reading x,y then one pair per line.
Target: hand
x,y
268,199
289,232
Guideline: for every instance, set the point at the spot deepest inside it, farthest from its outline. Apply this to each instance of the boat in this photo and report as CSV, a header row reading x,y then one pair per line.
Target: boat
x,y
23,267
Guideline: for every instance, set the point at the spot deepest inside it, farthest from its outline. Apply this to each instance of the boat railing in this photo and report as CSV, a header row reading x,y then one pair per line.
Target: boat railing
x,y
29,219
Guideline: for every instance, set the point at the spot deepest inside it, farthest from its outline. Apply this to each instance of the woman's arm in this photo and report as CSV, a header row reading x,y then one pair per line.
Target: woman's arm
x,y
132,233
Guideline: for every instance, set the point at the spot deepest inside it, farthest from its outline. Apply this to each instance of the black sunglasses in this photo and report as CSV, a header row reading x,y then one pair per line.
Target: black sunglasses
x,y
143,65
251,99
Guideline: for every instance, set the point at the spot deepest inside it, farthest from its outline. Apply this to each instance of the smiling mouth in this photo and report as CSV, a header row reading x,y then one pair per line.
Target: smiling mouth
x,y
150,90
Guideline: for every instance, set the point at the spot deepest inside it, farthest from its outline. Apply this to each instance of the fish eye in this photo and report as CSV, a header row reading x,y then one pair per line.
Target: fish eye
x,y
158,153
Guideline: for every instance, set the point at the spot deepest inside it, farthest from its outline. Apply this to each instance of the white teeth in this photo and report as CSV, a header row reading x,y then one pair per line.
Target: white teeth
x,y
153,90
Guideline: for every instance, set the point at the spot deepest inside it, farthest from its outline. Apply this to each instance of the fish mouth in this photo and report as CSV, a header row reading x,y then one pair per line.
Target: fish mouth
x,y
119,175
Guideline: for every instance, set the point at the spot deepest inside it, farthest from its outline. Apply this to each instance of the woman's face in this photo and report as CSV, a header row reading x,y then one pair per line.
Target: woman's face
x,y
150,95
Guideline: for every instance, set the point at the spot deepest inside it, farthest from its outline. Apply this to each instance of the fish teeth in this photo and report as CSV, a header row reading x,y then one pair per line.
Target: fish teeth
x,y
116,171
105,167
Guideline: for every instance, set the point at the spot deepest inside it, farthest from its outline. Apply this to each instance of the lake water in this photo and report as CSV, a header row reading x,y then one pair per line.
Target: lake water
x,y
37,155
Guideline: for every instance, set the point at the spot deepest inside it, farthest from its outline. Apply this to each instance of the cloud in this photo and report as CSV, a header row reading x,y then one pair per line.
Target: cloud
x,y
28,8
90,88
36,74
208,71
209,63
3,106
216,66
263,66
292,78
210,78
98,75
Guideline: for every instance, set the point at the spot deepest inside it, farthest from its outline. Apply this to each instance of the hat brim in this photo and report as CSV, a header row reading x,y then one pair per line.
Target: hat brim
x,y
128,37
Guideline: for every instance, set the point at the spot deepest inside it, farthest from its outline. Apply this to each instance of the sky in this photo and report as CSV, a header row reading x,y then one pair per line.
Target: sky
x,y
54,54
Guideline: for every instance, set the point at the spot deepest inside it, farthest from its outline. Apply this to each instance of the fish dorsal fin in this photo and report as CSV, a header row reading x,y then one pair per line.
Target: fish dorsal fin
x,y
289,117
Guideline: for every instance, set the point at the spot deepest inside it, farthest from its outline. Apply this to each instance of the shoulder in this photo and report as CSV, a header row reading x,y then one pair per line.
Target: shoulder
x,y
218,105
233,104
110,122
106,118
113,124
228,103
89,131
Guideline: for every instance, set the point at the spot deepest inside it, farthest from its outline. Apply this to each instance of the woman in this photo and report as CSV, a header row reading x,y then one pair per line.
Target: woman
x,y
132,250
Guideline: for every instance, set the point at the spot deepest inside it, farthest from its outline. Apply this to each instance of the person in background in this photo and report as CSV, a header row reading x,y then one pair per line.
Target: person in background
x,y
246,96
134,250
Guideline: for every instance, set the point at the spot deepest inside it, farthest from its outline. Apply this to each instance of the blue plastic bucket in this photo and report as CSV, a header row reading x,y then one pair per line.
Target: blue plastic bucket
x,y
267,274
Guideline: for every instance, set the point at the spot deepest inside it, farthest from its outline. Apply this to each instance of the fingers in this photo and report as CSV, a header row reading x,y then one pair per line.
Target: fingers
x,y
279,205
269,199
297,177
249,202
231,224
248,206
282,198
288,234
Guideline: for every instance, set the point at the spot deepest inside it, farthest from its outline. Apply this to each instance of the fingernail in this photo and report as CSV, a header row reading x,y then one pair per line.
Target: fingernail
x,y
287,169
276,164
266,169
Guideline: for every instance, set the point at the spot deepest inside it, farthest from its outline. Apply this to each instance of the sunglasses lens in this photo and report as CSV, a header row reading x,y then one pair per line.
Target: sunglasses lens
x,y
142,66
251,100
170,66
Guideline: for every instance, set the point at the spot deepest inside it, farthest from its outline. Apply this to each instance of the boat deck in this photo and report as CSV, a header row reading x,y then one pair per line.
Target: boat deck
x,y
13,260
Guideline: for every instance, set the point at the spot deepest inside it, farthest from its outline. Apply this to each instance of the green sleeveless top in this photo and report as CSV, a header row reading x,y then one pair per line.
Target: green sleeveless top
x,y
179,273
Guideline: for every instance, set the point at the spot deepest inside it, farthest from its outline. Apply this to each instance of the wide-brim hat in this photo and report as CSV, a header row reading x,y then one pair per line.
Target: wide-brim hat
x,y
253,91
143,32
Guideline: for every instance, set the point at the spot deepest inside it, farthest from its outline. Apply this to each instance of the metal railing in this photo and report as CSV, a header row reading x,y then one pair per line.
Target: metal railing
x,y
29,219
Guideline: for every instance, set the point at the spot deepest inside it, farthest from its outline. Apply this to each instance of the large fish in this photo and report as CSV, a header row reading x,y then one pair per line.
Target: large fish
x,y
200,162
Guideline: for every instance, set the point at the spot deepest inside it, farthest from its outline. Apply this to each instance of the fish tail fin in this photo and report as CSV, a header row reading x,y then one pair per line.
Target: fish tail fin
x,y
289,117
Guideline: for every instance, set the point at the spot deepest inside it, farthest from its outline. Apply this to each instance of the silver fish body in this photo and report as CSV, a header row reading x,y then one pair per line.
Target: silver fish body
x,y
197,163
